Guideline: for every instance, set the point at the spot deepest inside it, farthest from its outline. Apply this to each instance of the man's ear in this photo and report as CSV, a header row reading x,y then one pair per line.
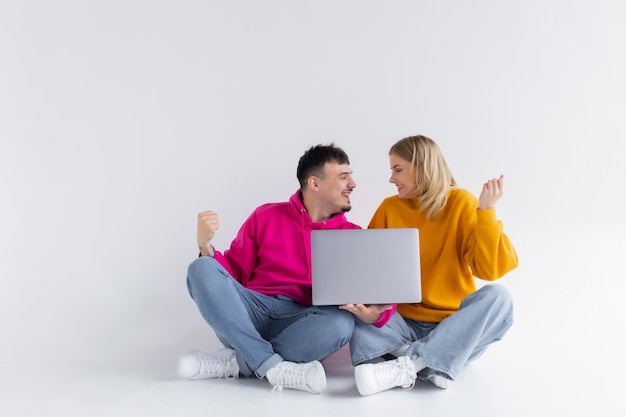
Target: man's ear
x,y
313,182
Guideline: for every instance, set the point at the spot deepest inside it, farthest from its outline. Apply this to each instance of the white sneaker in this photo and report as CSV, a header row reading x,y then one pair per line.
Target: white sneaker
x,y
438,380
200,365
309,377
376,377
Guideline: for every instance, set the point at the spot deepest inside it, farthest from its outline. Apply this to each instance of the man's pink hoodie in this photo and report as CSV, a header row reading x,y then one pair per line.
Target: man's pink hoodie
x,y
266,255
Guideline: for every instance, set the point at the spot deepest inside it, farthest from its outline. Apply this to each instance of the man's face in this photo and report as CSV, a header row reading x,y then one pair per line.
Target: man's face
x,y
336,186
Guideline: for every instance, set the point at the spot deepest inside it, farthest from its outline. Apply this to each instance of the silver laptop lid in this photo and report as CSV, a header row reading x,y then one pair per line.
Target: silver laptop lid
x,y
365,266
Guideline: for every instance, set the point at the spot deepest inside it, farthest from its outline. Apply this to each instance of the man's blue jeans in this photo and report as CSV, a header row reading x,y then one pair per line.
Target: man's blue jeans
x,y
264,330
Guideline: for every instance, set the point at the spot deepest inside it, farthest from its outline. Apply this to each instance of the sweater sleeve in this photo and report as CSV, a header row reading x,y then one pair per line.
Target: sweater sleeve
x,y
240,258
385,316
490,253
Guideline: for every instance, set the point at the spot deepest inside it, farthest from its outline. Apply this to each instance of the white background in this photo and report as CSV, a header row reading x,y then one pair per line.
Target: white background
x,y
121,120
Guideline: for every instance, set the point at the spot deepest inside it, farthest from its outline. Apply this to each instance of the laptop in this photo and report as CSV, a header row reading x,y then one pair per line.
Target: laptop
x,y
365,266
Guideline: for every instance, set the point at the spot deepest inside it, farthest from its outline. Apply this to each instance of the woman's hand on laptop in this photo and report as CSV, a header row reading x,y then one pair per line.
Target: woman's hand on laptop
x,y
369,313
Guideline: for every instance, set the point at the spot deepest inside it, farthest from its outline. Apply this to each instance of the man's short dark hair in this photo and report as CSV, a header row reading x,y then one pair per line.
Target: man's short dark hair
x,y
314,159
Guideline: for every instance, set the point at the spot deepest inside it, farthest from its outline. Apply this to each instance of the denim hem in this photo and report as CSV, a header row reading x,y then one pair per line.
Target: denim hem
x,y
274,360
426,372
412,353
438,368
377,354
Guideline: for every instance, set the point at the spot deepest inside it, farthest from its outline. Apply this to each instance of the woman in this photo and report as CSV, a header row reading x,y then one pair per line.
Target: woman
x,y
460,240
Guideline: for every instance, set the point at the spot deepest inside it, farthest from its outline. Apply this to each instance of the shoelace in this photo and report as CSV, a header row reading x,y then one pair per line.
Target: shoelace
x,y
221,367
402,374
289,376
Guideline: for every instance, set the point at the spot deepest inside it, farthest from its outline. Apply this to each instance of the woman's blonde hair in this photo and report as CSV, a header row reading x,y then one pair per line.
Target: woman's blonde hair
x,y
432,175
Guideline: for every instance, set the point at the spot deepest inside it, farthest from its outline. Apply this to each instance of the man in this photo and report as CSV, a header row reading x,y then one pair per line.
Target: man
x,y
257,294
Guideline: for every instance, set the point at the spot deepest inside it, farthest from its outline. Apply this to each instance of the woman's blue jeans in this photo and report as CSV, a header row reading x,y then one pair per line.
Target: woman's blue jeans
x,y
482,319
264,330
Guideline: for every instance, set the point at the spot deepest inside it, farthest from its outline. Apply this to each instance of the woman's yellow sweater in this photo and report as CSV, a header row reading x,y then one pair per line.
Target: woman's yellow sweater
x,y
461,243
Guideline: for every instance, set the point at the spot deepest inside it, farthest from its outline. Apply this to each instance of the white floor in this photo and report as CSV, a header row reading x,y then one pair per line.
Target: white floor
x,y
563,356
501,384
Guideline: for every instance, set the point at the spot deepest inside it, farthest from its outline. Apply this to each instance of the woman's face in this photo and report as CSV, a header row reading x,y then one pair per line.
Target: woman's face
x,y
402,176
